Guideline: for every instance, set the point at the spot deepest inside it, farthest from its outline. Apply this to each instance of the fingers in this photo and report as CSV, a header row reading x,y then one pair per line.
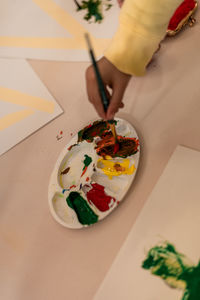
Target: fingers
x,y
93,92
115,102
120,2
112,78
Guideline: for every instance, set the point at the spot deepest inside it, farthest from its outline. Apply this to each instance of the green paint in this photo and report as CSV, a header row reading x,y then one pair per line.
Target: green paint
x,y
173,267
93,9
96,129
85,214
87,161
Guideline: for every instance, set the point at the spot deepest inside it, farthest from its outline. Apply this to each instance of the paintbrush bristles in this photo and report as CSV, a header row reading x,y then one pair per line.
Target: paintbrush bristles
x,y
112,127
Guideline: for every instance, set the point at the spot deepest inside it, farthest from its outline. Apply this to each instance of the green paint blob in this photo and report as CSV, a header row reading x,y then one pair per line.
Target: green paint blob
x,y
173,267
85,214
87,161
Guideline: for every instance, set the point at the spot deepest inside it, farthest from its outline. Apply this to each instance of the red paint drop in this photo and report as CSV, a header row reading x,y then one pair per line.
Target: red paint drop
x,y
72,186
99,198
61,132
87,179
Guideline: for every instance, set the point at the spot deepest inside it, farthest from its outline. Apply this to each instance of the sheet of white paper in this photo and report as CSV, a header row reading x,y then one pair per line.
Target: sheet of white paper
x,y
25,103
51,30
171,213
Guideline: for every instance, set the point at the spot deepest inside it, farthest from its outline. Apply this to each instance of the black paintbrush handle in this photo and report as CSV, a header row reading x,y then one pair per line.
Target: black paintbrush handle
x,y
102,90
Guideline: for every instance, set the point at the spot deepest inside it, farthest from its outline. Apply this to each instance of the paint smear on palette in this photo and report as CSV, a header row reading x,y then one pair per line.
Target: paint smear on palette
x,y
85,214
175,269
98,128
106,146
126,146
113,168
99,198
87,161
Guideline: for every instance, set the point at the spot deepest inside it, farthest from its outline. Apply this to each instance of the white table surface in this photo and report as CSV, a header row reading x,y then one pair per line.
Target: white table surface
x,y
39,259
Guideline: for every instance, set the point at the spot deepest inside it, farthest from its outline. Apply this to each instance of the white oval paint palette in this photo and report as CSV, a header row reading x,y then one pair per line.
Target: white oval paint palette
x,y
91,176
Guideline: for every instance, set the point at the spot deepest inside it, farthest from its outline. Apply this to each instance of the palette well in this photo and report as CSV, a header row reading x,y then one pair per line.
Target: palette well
x,y
90,177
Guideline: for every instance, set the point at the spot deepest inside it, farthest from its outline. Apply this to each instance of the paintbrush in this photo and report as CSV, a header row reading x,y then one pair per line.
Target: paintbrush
x,y
102,91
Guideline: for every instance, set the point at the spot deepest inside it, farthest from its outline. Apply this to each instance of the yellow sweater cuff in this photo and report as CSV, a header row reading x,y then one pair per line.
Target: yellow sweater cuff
x,y
142,26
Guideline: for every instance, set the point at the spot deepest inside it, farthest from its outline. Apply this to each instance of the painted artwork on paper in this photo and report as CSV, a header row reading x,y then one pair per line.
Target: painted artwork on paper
x,y
90,179
175,269
25,103
52,30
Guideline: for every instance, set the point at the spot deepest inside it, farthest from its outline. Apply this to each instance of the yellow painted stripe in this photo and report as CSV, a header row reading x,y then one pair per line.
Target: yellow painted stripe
x,y
53,43
19,98
15,117
61,17
44,42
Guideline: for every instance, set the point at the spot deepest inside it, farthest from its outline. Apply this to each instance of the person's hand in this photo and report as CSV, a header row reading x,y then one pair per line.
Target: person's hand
x,y
120,2
112,78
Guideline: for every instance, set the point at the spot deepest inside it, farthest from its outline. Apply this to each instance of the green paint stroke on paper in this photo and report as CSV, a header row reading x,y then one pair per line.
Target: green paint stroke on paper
x,y
175,268
85,214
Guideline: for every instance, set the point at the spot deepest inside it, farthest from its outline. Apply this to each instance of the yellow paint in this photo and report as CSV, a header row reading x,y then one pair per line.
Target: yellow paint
x,y
65,20
61,182
53,43
108,157
15,117
43,43
109,167
16,97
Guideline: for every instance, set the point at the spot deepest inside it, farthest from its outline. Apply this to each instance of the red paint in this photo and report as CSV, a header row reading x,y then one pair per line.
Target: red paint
x,y
94,133
87,179
116,148
85,169
99,198
72,186
181,12
61,132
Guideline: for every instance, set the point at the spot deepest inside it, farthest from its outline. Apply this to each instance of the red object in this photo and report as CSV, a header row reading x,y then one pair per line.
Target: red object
x,y
87,179
61,132
85,169
181,12
99,198
116,148
72,186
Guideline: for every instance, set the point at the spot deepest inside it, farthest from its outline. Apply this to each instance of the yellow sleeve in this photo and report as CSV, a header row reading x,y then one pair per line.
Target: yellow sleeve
x,y
142,25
